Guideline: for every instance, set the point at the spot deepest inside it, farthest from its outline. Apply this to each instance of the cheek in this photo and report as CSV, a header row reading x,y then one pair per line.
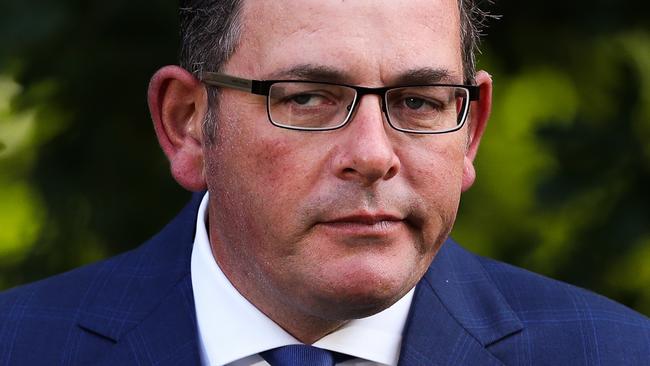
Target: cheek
x,y
275,173
436,169
257,156
289,165
274,162
435,174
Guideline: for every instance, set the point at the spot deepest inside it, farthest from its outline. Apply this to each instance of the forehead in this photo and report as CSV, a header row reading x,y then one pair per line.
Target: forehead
x,y
370,40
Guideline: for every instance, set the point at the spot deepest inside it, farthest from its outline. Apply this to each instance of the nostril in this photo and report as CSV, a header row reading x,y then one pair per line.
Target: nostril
x,y
390,173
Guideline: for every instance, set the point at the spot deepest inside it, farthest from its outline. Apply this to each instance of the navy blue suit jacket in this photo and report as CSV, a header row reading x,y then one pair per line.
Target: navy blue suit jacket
x,y
138,309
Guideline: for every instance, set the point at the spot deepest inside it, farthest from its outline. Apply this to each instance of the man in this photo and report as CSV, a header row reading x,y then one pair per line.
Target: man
x,y
334,139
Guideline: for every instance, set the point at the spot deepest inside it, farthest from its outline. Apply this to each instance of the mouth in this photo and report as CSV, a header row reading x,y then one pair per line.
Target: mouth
x,y
365,224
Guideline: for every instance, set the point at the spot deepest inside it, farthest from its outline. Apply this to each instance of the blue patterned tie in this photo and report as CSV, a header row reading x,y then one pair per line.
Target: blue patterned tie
x,y
301,355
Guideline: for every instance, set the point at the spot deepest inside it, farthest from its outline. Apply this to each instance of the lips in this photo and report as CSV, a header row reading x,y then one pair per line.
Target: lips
x,y
364,224
365,219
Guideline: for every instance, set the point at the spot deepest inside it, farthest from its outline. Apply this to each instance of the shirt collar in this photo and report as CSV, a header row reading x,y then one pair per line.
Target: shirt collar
x,y
231,328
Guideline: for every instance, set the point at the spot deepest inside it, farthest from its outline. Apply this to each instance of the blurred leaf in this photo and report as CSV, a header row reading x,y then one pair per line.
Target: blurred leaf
x,y
631,275
21,219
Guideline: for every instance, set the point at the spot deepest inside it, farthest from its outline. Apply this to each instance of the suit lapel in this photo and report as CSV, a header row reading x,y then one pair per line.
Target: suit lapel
x,y
142,301
457,313
167,336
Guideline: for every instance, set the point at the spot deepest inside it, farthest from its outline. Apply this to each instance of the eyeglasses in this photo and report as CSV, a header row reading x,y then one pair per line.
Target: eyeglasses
x,y
322,106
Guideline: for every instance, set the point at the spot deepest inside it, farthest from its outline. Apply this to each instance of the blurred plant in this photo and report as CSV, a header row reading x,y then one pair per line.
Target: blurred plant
x,y
564,168
22,212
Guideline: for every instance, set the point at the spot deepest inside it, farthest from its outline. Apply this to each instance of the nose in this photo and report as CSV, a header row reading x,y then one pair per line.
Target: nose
x,y
366,154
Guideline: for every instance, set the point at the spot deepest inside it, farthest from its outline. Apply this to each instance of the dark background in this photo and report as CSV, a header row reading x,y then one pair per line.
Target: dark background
x,y
563,171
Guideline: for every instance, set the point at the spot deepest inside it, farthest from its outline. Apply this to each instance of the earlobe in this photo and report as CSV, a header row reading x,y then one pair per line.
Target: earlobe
x,y
469,174
178,104
479,115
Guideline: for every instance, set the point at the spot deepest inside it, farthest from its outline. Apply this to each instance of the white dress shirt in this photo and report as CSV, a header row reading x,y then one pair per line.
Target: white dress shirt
x,y
232,331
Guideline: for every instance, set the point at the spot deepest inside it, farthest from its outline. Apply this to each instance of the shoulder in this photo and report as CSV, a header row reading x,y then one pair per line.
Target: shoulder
x,y
59,296
167,251
39,321
560,318
62,292
533,296
46,322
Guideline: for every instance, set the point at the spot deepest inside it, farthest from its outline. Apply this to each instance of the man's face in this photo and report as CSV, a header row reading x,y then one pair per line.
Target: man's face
x,y
337,224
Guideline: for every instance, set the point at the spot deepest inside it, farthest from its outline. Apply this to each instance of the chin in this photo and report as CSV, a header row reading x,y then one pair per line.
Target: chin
x,y
361,298
348,308
359,285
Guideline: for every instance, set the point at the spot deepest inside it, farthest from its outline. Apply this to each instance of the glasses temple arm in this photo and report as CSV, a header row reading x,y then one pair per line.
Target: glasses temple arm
x,y
216,79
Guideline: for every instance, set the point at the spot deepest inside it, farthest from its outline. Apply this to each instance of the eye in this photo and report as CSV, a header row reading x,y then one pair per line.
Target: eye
x,y
414,103
420,104
308,100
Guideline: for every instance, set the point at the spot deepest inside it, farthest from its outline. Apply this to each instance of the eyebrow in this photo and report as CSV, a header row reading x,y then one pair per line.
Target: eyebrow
x,y
312,73
425,75
419,76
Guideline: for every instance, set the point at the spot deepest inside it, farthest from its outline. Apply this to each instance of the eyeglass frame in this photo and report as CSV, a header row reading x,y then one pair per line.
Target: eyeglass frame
x,y
263,87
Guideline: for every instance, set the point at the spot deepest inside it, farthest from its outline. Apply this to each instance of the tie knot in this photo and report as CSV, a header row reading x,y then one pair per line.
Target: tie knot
x,y
299,355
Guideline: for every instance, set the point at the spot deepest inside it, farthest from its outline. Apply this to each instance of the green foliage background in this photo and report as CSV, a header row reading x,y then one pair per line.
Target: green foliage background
x,y
563,170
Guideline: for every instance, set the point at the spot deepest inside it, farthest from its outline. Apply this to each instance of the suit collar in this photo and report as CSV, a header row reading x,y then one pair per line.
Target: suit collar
x,y
457,312
148,292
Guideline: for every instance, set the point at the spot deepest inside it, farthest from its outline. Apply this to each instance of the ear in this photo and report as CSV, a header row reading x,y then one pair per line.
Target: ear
x,y
178,104
478,117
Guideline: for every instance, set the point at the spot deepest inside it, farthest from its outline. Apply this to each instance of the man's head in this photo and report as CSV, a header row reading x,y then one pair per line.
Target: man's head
x,y
315,228
210,31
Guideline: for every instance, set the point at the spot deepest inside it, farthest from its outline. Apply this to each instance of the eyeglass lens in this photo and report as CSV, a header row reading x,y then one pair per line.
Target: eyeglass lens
x,y
322,106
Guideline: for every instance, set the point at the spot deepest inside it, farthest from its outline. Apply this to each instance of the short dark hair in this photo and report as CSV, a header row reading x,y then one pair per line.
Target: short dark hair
x,y
210,31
